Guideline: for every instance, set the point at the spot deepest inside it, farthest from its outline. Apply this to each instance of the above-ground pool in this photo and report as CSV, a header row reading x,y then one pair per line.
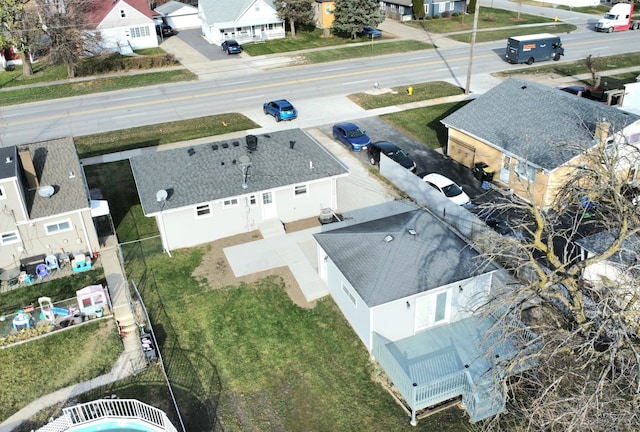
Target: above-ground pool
x,y
110,425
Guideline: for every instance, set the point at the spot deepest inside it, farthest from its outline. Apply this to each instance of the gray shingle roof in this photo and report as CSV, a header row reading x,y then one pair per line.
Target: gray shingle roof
x,y
629,253
54,161
382,271
209,175
222,11
8,167
540,124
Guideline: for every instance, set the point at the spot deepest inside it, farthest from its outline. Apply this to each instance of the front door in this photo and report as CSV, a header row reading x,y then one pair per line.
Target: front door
x,y
505,171
432,309
269,210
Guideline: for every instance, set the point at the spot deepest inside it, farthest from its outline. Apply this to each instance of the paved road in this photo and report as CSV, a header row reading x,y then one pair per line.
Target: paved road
x,y
318,91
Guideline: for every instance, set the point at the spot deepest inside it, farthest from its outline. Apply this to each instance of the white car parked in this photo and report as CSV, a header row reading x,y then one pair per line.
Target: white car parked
x,y
448,188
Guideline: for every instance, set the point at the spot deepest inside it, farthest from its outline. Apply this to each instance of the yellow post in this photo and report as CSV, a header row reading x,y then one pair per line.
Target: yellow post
x,y
410,91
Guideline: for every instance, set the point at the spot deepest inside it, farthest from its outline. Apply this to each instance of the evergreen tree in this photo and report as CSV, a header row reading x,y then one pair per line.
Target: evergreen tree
x,y
350,16
418,8
295,11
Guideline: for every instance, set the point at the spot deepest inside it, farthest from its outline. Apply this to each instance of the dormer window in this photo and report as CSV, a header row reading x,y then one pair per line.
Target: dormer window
x,y
123,13
257,7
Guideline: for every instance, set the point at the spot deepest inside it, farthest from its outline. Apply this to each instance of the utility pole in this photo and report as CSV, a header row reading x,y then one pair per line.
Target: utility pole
x,y
467,89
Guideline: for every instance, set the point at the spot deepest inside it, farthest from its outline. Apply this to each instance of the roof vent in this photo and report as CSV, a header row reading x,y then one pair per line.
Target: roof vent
x,y
524,87
252,142
214,147
292,144
388,238
225,145
412,232
72,175
191,151
235,143
8,159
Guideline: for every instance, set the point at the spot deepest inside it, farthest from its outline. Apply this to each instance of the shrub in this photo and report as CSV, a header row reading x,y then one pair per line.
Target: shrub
x,y
490,18
436,17
446,14
455,14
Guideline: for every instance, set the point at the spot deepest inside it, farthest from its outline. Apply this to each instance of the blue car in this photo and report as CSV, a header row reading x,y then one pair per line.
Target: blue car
x,y
371,32
230,46
280,110
351,135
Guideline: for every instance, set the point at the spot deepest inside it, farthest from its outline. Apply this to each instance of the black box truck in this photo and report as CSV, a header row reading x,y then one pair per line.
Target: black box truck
x,y
536,47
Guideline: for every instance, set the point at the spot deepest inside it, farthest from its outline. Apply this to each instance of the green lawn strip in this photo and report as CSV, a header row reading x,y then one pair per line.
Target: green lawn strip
x,y
601,64
488,18
423,124
163,133
594,10
277,361
36,368
493,35
305,39
98,85
399,96
41,73
371,49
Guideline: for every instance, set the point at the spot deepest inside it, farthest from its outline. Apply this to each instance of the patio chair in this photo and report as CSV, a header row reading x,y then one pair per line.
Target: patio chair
x,y
25,278
41,271
52,263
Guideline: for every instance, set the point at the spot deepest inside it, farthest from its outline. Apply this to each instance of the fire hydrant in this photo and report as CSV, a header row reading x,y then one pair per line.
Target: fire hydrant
x,y
410,90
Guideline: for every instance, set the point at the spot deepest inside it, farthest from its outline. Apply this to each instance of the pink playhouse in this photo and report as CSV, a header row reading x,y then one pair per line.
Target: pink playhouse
x,y
92,300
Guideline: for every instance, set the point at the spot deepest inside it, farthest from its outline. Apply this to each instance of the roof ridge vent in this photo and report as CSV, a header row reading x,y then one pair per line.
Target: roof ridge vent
x,y
412,232
388,238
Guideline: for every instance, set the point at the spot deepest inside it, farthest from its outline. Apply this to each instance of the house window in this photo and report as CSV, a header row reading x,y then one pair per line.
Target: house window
x,y
300,190
9,237
441,307
58,227
267,198
450,6
257,8
137,32
327,9
525,170
253,200
347,291
203,210
123,13
230,202
426,9
3,195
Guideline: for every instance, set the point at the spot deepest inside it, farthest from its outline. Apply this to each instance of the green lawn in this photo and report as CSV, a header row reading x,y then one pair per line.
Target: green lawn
x,y
493,35
488,18
160,134
374,48
399,96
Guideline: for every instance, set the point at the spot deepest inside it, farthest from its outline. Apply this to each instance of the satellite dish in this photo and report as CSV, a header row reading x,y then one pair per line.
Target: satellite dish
x,y
161,195
46,191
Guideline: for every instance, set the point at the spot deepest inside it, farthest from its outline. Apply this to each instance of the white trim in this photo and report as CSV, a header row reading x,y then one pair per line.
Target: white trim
x,y
349,294
300,190
59,229
15,237
203,211
230,202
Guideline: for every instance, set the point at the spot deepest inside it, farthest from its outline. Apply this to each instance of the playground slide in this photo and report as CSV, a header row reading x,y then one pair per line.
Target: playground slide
x,y
60,311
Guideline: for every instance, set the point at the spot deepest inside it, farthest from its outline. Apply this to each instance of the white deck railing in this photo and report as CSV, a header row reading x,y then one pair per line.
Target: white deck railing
x,y
110,409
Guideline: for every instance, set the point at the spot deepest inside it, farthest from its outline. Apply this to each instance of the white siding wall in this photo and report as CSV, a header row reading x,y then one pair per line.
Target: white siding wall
x,y
184,18
117,27
358,314
34,239
293,207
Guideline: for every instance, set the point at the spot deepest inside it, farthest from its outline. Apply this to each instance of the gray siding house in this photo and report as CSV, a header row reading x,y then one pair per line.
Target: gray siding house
x,y
46,208
402,10
409,286
210,191
242,20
